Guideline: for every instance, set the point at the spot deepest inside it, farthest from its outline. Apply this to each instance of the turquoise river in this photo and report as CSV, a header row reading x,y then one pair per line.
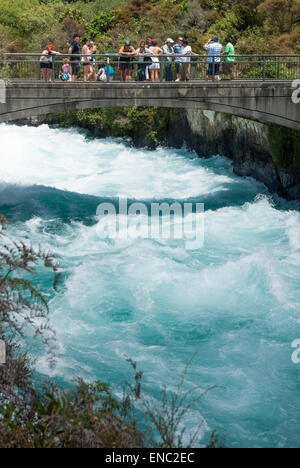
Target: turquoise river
x,y
235,302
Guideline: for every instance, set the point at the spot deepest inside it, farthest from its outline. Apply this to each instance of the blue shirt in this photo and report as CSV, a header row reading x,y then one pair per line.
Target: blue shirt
x,y
178,49
214,49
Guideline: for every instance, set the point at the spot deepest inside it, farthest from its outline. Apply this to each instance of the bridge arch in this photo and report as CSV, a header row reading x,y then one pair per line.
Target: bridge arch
x,y
266,102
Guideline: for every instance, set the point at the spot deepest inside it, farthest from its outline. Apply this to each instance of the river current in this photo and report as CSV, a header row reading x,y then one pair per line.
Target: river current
x,y
235,302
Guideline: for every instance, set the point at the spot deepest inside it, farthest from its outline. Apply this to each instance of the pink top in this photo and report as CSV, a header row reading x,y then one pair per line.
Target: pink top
x,y
66,68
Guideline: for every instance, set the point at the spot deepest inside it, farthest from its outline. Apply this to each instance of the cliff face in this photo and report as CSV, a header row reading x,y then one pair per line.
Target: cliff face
x,y
270,154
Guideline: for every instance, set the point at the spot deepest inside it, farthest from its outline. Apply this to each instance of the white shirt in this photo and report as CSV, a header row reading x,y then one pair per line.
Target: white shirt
x,y
185,51
146,51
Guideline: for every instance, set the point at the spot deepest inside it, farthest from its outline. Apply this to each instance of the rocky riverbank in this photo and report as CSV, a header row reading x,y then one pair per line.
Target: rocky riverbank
x,y
270,154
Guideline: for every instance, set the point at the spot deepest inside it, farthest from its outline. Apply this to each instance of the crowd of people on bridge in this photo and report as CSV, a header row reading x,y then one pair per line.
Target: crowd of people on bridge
x,y
153,62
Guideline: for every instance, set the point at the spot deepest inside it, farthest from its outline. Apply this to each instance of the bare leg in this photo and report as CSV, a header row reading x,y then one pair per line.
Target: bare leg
x,y
50,75
44,73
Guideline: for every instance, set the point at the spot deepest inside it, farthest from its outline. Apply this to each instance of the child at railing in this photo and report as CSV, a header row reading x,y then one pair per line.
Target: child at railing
x,y
105,72
101,75
65,74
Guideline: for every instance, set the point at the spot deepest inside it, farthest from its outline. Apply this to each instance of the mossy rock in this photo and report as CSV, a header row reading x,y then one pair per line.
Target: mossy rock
x,y
285,145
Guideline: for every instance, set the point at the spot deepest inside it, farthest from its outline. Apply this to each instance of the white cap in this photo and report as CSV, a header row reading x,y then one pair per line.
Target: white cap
x,y
170,40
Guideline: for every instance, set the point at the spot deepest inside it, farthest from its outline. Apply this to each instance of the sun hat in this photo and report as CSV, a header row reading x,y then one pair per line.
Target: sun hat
x,y
169,40
127,42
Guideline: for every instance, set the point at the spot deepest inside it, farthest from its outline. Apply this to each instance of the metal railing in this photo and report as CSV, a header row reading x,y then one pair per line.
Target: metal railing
x,y
245,67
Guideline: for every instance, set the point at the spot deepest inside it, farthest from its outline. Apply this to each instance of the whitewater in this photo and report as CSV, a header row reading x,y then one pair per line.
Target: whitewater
x,y
235,302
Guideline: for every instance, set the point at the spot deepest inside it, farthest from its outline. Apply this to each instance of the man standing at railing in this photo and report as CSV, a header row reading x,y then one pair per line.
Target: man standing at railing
x,y
214,49
168,53
185,68
230,59
74,50
178,49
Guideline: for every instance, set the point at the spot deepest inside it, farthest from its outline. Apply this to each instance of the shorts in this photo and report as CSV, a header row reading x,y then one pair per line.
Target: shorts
x,y
210,69
48,65
155,66
86,64
228,68
76,69
125,66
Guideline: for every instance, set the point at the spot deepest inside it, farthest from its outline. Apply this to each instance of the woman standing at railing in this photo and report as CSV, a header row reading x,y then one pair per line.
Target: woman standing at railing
x,y
93,50
46,63
86,60
155,66
144,59
126,53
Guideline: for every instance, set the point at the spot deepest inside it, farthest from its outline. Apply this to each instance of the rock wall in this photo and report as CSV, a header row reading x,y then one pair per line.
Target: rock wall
x,y
270,154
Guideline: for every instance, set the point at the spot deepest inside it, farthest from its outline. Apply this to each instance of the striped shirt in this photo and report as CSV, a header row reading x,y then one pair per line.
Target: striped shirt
x,y
214,49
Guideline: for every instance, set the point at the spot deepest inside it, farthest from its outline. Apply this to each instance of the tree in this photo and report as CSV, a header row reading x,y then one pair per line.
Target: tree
x,y
283,13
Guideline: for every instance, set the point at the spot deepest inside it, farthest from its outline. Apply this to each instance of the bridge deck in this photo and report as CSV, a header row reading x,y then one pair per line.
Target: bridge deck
x,y
265,101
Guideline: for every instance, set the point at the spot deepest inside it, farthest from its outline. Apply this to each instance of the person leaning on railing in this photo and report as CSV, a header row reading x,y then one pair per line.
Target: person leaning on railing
x,y
46,63
86,60
178,49
144,61
185,66
155,66
168,52
126,53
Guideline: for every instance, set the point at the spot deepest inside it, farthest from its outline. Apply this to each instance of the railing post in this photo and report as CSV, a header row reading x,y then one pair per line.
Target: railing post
x,y
213,69
107,69
161,74
278,68
264,69
53,67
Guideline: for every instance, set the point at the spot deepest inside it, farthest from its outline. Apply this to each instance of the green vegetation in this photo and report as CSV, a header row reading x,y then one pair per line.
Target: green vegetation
x,y
256,26
147,125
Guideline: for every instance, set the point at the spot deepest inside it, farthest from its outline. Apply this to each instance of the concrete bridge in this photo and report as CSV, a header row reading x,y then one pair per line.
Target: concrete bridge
x,y
264,101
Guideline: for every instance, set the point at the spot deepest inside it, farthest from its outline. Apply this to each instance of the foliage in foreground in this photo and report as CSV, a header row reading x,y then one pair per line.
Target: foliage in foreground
x,y
89,415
